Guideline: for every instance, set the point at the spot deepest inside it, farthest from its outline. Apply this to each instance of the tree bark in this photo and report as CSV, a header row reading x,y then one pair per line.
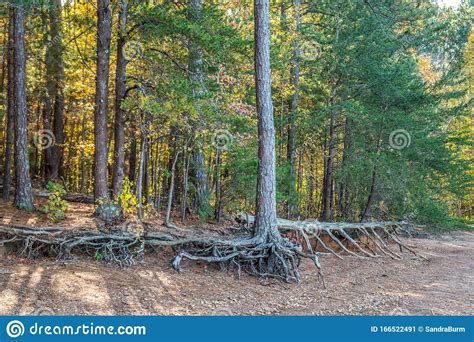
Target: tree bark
x,y
265,222
10,109
186,158
146,175
143,153
283,85
217,184
327,211
158,183
104,20
4,56
23,190
346,159
54,106
368,205
171,189
120,89
2,82
328,203
132,161
83,153
196,76
373,183
291,150
311,187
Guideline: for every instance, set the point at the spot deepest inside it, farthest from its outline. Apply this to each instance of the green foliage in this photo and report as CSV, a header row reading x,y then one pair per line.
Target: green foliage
x,y
98,256
127,198
242,179
55,207
204,212
369,69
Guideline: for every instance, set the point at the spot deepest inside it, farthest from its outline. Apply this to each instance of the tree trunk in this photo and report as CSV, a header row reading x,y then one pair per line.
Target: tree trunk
x,y
2,82
83,153
327,211
146,175
170,192
132,160
154,171
346,159
141,172
23,191
120,89
196,76
373,183
36,168
55,96
328,181
265,222
158,183
4,56
267,253
294,80
201,180
104,21
158,195
10,109
311,197
283,85
368,205
186,158
218,203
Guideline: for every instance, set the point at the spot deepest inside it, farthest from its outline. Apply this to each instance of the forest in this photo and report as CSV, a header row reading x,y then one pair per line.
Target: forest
x,y
251,135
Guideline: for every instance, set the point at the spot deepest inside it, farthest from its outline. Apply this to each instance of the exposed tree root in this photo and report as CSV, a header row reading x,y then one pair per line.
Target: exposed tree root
x,y
280,257
121,247
365,239
277,257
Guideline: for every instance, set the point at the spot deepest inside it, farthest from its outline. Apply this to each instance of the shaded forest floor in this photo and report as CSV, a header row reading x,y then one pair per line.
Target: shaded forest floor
x,y
443,285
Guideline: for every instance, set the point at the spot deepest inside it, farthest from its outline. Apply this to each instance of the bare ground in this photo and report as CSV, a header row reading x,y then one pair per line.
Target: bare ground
x,y
443,285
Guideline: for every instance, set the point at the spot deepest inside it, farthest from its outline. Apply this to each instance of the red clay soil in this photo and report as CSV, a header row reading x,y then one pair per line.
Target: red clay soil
x,y
443,285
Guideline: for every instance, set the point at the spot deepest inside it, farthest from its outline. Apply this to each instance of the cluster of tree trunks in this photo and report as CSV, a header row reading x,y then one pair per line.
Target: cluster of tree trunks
x,y
193,164
265,252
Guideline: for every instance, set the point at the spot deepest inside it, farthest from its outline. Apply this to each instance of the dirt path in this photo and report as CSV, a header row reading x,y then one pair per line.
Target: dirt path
x,y
444,285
